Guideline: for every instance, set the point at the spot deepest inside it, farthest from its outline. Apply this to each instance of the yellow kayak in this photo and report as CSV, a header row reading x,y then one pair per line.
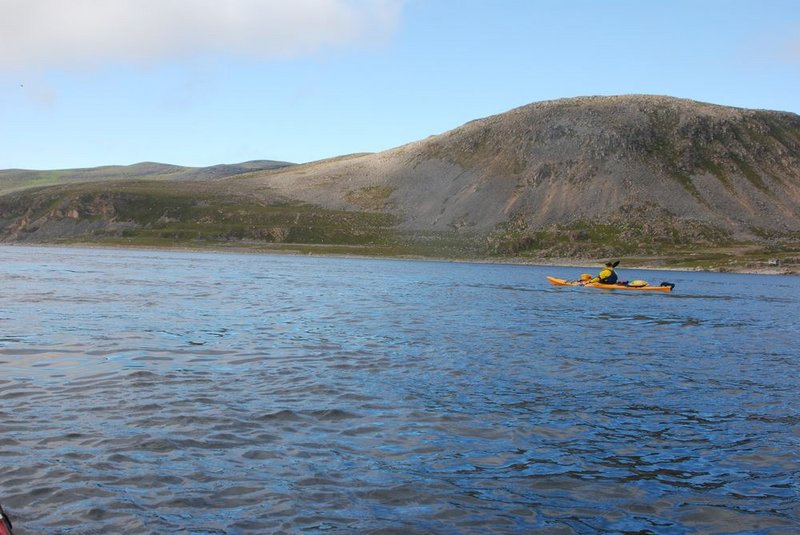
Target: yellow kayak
x,y
664,287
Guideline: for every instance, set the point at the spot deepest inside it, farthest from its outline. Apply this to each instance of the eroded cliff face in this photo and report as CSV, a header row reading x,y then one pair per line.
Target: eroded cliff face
x,y
43,217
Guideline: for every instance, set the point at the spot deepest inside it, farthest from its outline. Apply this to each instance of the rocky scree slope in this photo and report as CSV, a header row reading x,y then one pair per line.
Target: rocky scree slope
x,y
643,168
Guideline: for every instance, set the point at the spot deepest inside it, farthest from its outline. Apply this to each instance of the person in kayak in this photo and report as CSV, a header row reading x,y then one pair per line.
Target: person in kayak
x,y
607,274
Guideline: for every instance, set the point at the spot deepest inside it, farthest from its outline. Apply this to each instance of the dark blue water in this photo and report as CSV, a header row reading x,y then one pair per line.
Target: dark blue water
x,y
167,392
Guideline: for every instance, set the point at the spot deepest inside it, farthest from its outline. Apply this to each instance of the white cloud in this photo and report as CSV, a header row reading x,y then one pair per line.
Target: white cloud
x,y
93,33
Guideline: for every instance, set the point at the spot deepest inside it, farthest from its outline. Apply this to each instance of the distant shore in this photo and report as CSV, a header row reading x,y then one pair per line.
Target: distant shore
x,y
649,263
653,265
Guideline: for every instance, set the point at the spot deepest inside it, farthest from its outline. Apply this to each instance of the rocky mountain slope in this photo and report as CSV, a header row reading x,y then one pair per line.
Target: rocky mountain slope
x,y
590,176
650,163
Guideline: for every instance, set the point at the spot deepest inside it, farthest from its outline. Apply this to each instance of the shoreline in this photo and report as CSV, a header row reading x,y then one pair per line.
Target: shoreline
x,y
651,264
632,264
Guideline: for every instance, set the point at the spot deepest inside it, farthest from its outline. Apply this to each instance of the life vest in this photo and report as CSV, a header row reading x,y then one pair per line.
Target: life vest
x,y
608,275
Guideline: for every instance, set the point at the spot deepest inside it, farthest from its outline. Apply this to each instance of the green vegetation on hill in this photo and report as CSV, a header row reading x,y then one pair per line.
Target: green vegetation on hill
x,y
645,229
157,212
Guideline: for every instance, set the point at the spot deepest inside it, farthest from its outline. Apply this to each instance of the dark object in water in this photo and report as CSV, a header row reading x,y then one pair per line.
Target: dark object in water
x,y
5,523
669,285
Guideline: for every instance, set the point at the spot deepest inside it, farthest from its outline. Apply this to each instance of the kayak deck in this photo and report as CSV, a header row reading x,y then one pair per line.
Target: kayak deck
x,y
665,287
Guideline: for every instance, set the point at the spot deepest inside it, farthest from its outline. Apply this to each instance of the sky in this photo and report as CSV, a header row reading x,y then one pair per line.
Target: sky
x,y
85,83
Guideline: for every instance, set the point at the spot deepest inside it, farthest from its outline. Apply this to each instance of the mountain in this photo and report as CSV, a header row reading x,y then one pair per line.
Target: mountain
x,y
20,179
582,177
647,167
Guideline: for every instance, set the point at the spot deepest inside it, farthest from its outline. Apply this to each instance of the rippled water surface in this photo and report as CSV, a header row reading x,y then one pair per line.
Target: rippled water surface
x,y
168,392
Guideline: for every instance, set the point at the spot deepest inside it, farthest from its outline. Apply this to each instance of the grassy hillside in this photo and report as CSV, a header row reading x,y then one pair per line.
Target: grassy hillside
x,y
21,179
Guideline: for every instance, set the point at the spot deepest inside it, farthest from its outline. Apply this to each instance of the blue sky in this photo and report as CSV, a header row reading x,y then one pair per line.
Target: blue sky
x,y
199,82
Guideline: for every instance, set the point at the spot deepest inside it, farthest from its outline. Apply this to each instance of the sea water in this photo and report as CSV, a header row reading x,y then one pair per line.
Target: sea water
x,y
184,392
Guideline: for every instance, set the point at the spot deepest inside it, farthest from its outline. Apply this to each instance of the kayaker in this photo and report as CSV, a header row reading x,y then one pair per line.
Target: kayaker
x,y
607,274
